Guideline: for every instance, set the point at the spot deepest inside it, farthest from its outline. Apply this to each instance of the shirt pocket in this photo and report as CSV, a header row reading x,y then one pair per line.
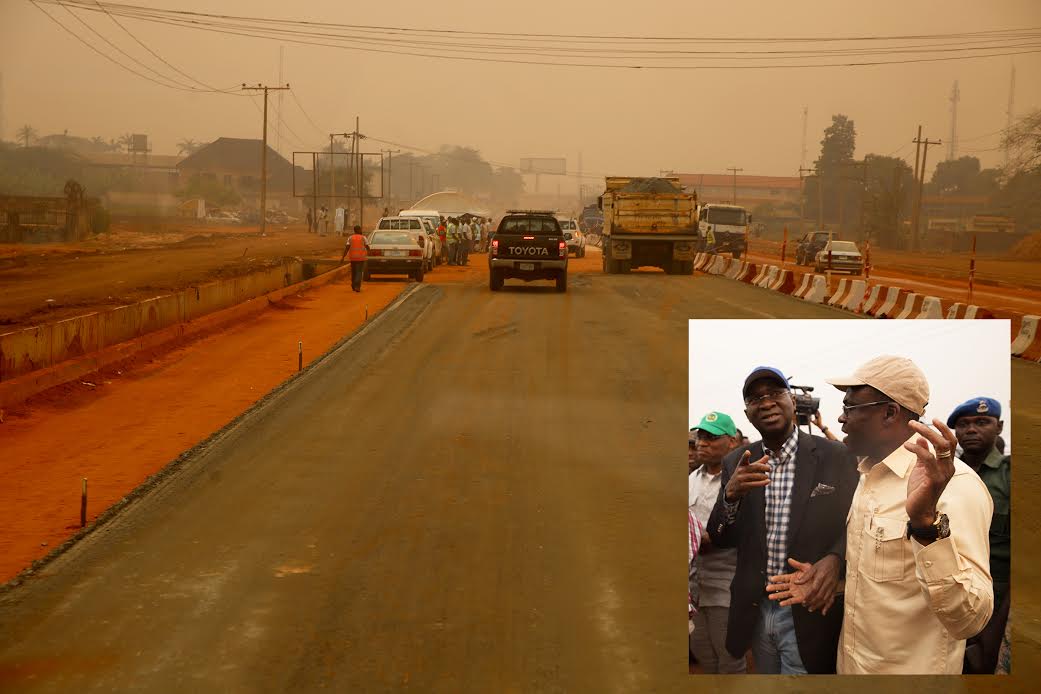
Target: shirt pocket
x,y
886,549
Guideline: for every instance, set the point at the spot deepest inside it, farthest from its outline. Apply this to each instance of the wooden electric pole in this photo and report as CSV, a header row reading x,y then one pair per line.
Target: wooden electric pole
x,y
734,171
924,144
263,152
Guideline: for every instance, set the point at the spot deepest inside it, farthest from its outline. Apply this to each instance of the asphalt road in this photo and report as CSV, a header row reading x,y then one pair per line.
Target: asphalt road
x,y
480,493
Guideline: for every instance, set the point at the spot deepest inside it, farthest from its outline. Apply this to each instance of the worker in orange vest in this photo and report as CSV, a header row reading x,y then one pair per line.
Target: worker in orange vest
x,y
358,254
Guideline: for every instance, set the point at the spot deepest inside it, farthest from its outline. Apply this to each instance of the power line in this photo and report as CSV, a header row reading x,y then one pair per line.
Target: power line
x,y
211,22
160,58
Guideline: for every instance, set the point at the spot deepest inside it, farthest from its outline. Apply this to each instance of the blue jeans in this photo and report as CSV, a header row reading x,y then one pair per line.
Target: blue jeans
x,y
773,644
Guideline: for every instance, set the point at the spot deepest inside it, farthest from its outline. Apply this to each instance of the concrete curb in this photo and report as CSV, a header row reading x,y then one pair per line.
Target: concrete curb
x,y
21,388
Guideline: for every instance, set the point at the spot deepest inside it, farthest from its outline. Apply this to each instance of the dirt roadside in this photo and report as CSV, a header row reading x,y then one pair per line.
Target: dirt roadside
x,y
127,424
47,282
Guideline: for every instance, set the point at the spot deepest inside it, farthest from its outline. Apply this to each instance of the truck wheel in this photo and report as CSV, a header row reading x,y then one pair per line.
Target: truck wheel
x,y
582,252
562,281
624,266
610,265
495,280
366,276
737,254
418,275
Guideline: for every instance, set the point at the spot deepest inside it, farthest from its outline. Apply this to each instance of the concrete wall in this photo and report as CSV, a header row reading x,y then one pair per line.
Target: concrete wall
x,y
39,347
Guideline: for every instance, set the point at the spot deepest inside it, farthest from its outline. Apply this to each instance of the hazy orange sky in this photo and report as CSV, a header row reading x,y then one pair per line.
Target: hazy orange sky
x,y
631,122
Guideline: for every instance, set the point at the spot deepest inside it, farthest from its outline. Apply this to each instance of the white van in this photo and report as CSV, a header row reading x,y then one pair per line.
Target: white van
x,y
433,220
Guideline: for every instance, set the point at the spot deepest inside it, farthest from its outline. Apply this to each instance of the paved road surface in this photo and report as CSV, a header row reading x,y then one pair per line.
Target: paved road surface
x,y
489,500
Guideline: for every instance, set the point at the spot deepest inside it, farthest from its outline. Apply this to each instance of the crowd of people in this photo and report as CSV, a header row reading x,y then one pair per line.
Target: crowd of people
x,y
884,553
461,236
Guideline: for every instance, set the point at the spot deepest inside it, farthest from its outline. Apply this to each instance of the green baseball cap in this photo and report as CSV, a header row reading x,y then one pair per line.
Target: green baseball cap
x,y
717,424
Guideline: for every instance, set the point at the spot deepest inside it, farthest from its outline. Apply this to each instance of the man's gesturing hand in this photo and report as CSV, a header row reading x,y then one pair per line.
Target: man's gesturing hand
x,y
811,585
747,476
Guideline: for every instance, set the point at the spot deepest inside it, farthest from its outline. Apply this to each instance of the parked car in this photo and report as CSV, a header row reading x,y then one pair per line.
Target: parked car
x,y
844,257
435,243
809,245
397,252
576,240
414,224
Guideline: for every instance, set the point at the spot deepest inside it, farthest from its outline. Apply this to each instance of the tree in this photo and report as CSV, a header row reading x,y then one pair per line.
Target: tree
x,y
888,199
963,176
26,134
1023,141
125,140
189,146
210,190
834,165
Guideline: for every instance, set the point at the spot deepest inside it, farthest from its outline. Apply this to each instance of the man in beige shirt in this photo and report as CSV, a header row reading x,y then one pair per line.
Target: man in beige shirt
x,y
918,582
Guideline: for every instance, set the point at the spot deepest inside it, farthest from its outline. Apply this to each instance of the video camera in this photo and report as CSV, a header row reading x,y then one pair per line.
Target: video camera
x,y
805,404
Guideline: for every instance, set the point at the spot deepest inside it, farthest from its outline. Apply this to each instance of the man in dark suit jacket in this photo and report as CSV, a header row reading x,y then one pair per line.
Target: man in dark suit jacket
x,y
786,496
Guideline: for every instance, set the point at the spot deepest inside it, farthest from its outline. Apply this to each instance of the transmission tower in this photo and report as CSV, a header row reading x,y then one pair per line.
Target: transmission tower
x,y
1,107
805,119
952,143
1011,108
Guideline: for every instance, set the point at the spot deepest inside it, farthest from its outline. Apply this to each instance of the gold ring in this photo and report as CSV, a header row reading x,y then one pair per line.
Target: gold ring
x,y
945,454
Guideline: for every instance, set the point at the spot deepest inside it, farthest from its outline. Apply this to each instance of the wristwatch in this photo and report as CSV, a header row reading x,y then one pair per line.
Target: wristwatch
x,y
940,529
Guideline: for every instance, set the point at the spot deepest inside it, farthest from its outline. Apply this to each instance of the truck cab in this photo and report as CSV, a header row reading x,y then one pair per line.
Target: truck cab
x,y
723,228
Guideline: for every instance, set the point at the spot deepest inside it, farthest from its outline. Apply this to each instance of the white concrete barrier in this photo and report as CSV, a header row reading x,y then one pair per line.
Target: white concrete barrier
x,y
912,306
1026,339
873,299
931,308
760,275
840,293
888,307
854,299
818,290
804,286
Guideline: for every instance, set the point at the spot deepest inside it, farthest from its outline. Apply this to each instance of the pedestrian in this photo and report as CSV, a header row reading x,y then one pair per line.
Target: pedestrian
x,y
977,425
715,436
442,232
466,238
324,214
783,497
695,533
453,241
310,220
917,567
358,254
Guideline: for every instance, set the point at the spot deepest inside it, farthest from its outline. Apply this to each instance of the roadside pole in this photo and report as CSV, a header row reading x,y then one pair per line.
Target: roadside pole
x,y
831,235
867,261
972,268
263,152
784,245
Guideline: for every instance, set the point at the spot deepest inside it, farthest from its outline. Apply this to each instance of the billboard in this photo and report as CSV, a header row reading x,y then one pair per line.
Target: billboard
x,y
138,143
556,166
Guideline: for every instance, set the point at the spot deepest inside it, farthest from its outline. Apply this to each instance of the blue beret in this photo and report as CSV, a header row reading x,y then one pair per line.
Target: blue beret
x,y
987,407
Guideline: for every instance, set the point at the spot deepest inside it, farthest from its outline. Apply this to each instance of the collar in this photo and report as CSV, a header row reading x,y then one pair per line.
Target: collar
x,y
994,458
788,448
702,471
901,460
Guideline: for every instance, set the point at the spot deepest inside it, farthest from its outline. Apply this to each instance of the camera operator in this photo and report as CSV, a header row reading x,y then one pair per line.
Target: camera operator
x,y
819,422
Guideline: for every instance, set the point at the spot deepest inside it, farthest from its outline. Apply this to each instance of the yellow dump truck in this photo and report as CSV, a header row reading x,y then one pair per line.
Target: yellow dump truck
x,y
649,222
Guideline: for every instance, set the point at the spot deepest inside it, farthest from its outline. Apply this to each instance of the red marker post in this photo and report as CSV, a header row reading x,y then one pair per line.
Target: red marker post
x,y
867,260
972,267
784,245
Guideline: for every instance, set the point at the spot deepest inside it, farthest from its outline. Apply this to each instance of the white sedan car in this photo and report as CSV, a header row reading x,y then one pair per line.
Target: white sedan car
x,y
413,224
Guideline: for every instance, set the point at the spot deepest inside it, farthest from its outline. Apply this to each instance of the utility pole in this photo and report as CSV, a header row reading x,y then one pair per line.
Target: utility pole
x,y
805,119
921,185
914,189
263,153
332,176
361,172
390,168
734,171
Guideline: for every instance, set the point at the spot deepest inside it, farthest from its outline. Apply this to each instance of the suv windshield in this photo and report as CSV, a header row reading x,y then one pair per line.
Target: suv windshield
x,y
529,225
722,215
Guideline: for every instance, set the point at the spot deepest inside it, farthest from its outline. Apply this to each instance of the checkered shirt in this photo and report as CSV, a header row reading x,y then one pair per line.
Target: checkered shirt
x,y
778,504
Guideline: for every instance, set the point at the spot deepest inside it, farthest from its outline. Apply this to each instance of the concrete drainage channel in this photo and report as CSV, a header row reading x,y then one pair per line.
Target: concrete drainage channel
x,y
44,356
879,301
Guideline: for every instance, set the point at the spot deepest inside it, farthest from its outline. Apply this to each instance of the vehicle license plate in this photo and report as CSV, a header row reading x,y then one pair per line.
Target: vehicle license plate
x,y
396,253
527,266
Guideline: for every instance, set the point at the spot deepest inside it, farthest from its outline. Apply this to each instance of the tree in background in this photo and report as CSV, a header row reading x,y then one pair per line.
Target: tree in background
x,y
189,146
963,176
1023,141
1020,197
887,199
834,165
27,134
125,140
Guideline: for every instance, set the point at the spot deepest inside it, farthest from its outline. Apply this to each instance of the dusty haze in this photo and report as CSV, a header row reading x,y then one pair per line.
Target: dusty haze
x,y
628,122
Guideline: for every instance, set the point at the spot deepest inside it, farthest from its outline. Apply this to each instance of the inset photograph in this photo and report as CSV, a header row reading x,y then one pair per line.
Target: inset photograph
x,y
849,497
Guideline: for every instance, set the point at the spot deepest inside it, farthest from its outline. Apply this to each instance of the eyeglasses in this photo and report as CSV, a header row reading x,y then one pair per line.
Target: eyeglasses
x,y
772,396
847,408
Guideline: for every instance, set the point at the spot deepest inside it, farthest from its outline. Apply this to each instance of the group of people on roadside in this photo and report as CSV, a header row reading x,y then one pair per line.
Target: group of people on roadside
x,y
885,553
461,236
